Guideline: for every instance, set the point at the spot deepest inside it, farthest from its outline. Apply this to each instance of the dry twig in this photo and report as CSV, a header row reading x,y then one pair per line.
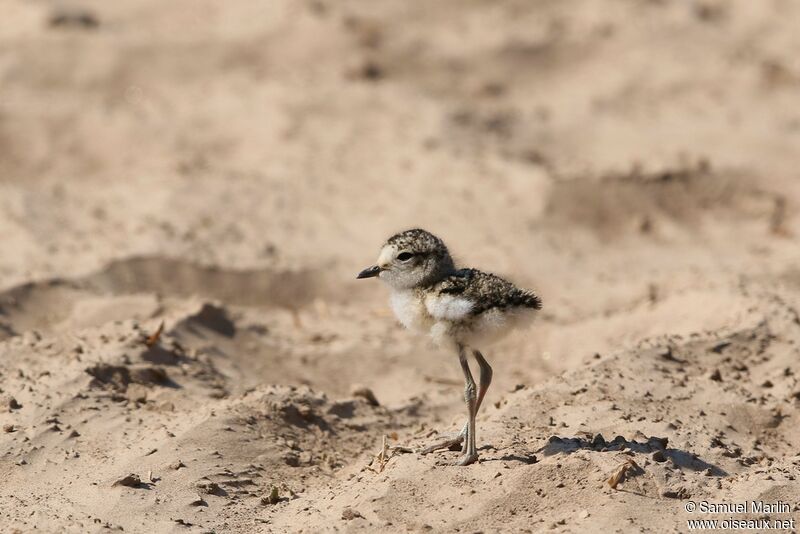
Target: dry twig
x,y
152,339
385,454
621,471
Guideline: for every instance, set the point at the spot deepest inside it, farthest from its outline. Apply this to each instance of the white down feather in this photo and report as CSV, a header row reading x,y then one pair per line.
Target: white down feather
x,y
448,307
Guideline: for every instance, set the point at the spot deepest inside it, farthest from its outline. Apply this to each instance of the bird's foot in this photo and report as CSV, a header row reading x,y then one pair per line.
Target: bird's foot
x,y
447,442
467,459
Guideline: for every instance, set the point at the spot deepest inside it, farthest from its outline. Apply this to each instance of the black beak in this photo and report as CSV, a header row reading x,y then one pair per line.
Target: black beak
x,y
369,272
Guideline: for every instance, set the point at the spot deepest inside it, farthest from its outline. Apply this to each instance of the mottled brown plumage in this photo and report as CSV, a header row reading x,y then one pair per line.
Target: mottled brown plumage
x,y
487,290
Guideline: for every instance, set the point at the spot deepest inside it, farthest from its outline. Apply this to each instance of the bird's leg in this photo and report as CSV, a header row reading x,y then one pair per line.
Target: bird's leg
x,y
484,382
471,398
485,377
460,438
450,440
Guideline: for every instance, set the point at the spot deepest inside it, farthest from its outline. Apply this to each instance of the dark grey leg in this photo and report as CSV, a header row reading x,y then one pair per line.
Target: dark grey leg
x,y
485,377
471,398
461,437
483,385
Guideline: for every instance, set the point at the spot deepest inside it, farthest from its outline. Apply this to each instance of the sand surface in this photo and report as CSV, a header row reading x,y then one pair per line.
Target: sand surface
x,y
226,168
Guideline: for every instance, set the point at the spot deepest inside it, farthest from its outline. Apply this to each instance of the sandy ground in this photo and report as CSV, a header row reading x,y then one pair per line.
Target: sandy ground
x,y
226,168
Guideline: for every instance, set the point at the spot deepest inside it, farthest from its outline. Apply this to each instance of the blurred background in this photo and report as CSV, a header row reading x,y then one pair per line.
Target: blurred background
x,y
623,157
634,161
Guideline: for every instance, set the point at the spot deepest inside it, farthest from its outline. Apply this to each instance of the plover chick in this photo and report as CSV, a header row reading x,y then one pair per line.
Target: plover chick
x,y
460,309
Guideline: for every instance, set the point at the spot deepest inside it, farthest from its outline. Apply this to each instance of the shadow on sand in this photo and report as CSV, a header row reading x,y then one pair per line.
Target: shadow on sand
x,y
645,445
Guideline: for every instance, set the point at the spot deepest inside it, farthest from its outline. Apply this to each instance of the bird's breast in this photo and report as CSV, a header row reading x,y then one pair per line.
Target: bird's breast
x,y
410,310
444,307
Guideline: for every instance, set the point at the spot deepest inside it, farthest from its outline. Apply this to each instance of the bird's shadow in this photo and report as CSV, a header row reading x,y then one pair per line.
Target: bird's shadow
x,y
646,445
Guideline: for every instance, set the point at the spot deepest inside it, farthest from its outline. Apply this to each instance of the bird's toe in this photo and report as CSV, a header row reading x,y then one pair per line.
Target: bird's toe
x,y
467,459
448,442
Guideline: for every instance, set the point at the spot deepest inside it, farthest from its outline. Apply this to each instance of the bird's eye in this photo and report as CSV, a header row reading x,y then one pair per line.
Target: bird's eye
x,y
405,256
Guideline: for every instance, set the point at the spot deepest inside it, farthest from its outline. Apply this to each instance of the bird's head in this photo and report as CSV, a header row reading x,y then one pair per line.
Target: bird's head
x,y
411,259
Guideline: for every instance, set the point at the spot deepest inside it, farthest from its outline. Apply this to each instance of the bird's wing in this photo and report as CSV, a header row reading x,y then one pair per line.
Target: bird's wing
x,y
471,292
449,300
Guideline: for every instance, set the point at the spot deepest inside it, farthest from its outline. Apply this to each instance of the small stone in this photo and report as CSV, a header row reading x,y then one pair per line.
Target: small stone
x,y
273,497
716,376
371,70
199,501
767,384
348,514
9,403
659,456
131,481
291,459
9,428
366,394
211,488
679,493
719,347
